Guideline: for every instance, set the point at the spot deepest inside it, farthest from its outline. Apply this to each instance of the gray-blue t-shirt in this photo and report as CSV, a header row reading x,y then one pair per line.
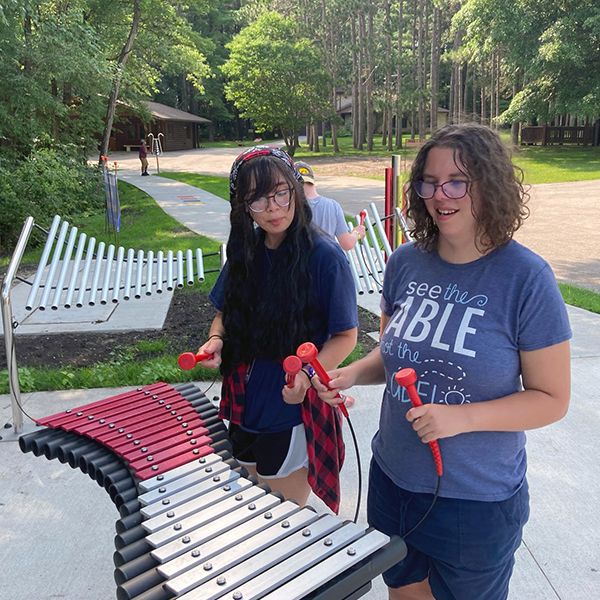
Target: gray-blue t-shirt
x,y
328,215
461,327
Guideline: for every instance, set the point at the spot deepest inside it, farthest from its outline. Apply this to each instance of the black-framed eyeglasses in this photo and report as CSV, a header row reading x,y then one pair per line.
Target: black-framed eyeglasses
x,y
453,189
281,198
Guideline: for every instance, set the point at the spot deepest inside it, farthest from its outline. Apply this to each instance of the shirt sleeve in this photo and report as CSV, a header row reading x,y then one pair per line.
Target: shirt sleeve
x,y
340,221
217,294
543,318
335,290
389,278
343,311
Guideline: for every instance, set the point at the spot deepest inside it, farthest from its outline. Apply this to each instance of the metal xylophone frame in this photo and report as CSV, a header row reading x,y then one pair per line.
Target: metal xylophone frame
x,y
81,272
127,273
196,499
369,256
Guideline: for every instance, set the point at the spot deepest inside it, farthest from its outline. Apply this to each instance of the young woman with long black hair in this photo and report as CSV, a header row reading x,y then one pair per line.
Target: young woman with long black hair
x,y
284,283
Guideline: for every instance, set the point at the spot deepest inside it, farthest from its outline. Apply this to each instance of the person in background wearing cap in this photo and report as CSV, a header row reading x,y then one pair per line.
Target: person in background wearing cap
x,y
327,213
143,155
285,282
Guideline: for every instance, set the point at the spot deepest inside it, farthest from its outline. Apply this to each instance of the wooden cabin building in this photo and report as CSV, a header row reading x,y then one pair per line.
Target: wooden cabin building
x,y
180,130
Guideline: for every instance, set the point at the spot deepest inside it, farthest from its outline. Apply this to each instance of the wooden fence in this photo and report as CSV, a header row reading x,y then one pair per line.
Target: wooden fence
x,y
547,135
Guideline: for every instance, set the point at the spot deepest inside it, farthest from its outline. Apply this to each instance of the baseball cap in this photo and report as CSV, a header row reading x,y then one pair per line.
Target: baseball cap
x,y
307,173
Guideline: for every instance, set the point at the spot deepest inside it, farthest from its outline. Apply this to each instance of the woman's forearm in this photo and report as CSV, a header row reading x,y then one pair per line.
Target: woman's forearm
x,y
369,370
337,348
216,327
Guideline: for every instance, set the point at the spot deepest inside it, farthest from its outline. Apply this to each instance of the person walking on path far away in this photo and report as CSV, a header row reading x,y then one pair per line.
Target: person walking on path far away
x,y
143,154
327,213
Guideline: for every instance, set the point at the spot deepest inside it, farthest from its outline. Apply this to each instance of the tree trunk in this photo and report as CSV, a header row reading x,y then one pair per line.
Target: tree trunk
x,y
415,75
434,73
399,110
387,139
361,89
355,85
334,127
492,89
498,78
121,64
315,138
515,128
465,95
482,107
370,70
422,19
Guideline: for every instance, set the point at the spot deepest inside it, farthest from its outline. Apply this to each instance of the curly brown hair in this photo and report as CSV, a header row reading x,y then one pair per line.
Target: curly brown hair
x,y
487,162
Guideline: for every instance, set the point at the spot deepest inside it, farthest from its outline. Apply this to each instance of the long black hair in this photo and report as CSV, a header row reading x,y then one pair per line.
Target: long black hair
x,y
265,319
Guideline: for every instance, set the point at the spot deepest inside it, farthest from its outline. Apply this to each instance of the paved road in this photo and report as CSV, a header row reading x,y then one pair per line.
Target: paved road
x,y
563,226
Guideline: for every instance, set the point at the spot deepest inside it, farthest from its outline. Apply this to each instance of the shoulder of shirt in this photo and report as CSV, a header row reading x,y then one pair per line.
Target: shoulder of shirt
x,y
325,198
514,251
404,251
325,246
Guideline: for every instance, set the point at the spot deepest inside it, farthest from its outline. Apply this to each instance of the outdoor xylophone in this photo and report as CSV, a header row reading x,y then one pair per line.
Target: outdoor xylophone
x,y
193,524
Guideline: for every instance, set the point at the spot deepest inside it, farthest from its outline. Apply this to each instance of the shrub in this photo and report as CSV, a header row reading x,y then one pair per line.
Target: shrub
x,y
49,181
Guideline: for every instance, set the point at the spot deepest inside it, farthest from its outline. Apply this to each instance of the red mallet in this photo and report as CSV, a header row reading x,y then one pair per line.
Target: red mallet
x,y
363,214
188,360
307,353
291,365
407,378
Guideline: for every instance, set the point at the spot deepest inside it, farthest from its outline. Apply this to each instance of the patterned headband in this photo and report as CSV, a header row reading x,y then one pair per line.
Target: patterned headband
x,y
253,152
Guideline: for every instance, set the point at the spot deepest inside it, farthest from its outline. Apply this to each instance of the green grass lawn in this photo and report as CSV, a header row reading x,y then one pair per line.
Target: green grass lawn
x,y
144,226
554,164
541,164
346,149
219,186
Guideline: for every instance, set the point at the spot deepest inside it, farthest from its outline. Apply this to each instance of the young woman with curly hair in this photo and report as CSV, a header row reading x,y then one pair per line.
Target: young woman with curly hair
x,y
480,319
284,283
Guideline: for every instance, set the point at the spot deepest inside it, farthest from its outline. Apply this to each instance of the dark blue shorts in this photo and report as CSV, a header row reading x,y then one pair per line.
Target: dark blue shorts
x,y
465,547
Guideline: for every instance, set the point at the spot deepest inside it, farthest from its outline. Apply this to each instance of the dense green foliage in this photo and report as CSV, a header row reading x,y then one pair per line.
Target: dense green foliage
x,y
47,182
278,67
550,53
275,77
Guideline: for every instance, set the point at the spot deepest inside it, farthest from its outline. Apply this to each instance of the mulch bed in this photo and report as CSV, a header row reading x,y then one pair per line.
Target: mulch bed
x,y
186,328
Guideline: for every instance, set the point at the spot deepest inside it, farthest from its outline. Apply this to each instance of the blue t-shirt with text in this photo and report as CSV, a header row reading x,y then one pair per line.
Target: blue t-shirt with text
x,y
461,327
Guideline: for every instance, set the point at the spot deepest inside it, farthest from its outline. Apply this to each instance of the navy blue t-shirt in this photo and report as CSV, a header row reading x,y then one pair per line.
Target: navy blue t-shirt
x,y
333,310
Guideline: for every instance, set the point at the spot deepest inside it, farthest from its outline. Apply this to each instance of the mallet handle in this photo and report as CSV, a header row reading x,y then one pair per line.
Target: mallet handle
x,y
307,352
291,365
407,378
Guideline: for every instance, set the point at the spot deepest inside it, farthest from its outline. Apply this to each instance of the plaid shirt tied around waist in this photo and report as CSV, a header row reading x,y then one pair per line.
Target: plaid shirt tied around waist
x,y
323,427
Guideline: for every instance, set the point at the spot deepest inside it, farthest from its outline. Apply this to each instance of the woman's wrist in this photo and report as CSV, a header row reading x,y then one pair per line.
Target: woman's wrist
x,y
215,335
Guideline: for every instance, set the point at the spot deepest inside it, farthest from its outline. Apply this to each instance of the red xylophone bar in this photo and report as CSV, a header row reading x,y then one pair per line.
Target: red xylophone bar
x,y
407,379
292,366
188,360
307,352
57,419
